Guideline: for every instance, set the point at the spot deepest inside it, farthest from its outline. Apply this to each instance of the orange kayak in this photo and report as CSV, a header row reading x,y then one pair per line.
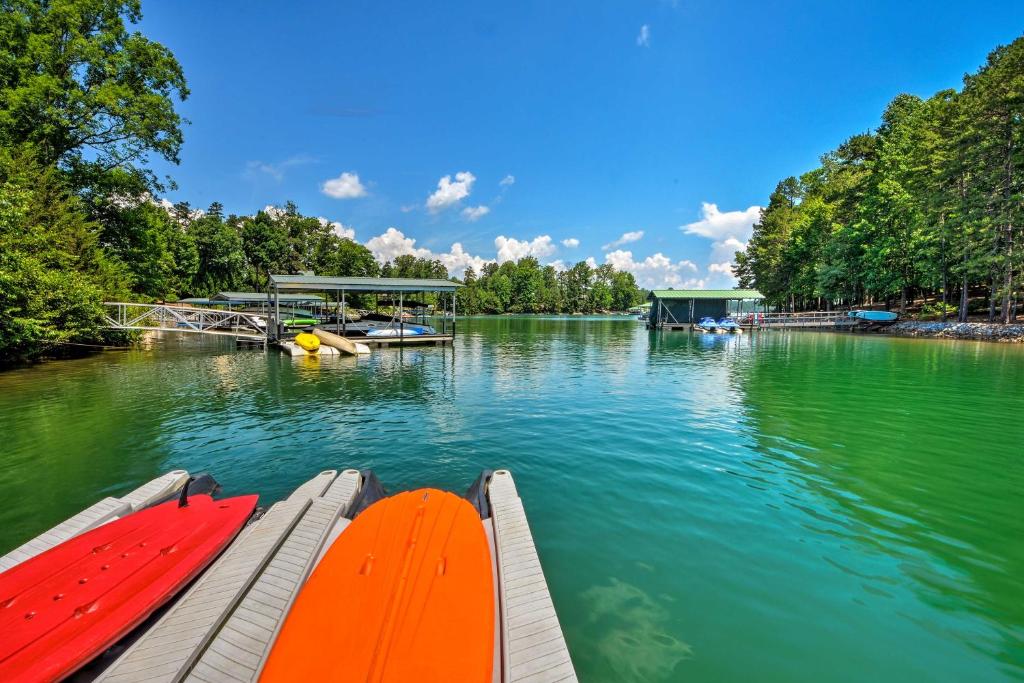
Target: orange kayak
x,y
406,593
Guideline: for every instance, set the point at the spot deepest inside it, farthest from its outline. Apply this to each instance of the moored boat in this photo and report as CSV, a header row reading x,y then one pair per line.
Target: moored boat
x,y
874,316
67,605
707,324
729,325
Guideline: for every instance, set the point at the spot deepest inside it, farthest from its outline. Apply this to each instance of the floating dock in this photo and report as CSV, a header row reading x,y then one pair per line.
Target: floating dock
x,y
224,625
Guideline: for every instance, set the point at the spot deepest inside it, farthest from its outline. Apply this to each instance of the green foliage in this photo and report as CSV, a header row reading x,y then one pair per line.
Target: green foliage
x,y
527,287
930,203
75,78
53,273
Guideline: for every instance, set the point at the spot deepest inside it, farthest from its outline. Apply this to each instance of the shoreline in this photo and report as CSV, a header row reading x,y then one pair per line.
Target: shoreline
x,y
992,332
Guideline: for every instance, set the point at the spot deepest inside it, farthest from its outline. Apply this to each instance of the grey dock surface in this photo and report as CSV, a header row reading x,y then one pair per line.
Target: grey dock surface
x,y
95,515
223,627
533,648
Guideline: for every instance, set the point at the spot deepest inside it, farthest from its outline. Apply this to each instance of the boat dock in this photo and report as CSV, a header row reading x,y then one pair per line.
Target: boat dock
x,y
224,625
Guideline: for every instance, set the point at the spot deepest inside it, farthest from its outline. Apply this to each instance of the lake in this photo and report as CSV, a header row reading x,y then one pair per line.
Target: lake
x,y
776,506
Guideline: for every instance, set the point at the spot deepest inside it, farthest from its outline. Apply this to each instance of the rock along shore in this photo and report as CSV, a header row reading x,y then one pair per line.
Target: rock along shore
x,y
948,330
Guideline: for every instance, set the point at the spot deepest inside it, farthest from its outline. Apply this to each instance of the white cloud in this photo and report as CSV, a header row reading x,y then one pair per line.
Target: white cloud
x,y
729,232
273,211
626,238
511,249
559,265
725,250
657,271
407,208
508,180
345,186
718,225
643,39
457,260
591,261
338,229
393,243
475,213
571,242
449,192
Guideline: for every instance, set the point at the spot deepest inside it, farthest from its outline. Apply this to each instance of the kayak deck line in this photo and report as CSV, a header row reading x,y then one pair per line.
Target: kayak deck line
x,y
244,596
100,512
532,644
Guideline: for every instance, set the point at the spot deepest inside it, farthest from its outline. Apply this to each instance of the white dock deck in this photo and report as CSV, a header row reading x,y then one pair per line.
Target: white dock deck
x,y
532,645
100,512
222,628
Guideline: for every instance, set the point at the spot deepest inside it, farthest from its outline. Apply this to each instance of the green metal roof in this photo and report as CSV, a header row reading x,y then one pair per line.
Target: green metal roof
x,y
361,284
705,294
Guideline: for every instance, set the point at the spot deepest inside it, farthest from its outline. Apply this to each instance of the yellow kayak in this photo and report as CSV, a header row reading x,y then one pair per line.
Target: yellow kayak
x,y
307,341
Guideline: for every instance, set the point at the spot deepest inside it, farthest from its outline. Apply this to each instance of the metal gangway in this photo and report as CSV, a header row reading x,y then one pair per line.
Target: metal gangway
x,y
170,318
811,319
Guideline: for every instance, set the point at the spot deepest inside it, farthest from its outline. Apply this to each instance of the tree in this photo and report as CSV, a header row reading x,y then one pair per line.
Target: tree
x,y
221,258
53,273
77,79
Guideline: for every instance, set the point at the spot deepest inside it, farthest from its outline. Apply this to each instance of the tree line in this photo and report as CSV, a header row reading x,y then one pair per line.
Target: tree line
x,y
85,102
929,208
525,286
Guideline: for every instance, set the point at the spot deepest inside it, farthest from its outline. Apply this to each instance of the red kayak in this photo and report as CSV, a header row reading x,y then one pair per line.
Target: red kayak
x,y
67,605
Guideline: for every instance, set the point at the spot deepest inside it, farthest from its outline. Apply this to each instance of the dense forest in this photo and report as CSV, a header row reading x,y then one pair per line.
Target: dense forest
x,y
85,102
927,208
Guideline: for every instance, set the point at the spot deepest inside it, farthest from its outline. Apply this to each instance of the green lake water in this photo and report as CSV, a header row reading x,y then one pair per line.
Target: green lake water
x,y
774,507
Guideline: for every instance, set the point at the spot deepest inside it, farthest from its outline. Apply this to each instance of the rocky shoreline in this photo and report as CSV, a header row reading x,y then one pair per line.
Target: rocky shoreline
x,y
953,330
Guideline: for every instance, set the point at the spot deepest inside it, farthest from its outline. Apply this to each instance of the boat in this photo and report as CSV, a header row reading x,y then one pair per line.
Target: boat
x,y
729,325
299,322
340,343
63,607
429,585
308,342
708,324
874,316
426,585
101,512
404,331
425,548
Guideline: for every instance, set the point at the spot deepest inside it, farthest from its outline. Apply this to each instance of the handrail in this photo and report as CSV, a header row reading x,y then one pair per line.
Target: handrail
x,y
123,315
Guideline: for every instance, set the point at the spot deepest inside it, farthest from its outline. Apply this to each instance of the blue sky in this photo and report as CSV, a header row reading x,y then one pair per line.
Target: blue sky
x,y
640,133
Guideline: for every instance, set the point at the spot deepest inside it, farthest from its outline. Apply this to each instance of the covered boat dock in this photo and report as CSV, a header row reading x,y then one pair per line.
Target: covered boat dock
x,y
405,296
674,309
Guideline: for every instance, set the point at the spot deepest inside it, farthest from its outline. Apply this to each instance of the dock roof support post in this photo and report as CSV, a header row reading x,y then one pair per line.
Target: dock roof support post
x,y
337,312
401,316
453,317
343,312
277,313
